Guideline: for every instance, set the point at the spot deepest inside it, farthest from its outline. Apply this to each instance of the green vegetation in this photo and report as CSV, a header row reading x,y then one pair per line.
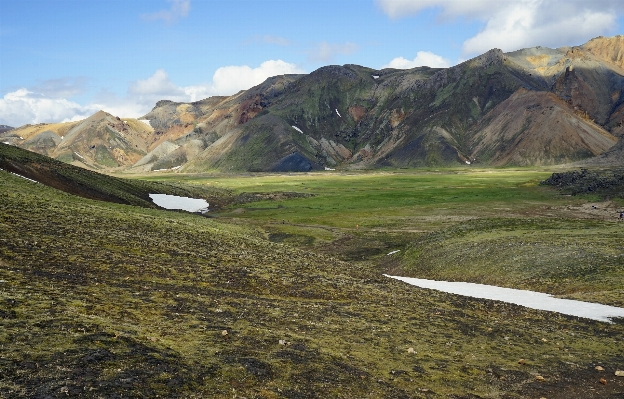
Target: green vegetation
x,y
89,184
403,200
104,157
284,298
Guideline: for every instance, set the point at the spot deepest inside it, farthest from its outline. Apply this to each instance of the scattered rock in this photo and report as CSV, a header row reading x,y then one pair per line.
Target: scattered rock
x,y
539,378
619,373
521,361
599,368
282,342
603,381
411,350
224,333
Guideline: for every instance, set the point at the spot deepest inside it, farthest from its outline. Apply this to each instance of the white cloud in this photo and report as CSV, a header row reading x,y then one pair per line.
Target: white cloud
x,y
28,106
179,9
156,86
231,79
423,58
511,25
22,106
325,52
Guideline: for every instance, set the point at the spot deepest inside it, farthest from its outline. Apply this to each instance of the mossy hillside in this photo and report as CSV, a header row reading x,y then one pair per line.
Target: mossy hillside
x,y
311,103
264,141
94,185
102,299
104,157
580,259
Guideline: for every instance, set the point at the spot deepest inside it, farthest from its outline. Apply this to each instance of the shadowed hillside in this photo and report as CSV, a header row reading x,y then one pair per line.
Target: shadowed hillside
x,y
88,184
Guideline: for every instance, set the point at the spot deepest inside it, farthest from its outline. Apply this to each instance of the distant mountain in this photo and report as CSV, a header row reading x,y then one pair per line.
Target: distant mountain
x,y
535,106
5,128
101,141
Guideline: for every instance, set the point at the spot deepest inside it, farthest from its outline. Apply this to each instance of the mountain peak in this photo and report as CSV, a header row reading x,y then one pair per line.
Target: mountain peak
x,y
610,49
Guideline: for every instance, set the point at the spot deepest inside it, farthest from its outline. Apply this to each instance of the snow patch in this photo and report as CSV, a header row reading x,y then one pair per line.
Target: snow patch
x,y
326,168
393,252
146,121
24,177
297,129
6,142
467,162
375,76
80,156
183,203
338,113
529,299
167,169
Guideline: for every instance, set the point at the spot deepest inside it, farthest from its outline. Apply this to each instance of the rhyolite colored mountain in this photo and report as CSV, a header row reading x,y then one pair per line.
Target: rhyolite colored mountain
x,y
535,106
101,141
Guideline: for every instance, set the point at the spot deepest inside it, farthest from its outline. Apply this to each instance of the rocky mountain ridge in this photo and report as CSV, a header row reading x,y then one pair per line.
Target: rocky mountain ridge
x,y
533,106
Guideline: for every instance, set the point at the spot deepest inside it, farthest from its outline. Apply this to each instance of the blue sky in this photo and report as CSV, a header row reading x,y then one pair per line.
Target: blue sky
x,y
65,59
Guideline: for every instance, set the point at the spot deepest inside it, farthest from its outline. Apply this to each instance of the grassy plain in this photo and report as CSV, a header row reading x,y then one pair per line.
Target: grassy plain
x,y
493,226
109,300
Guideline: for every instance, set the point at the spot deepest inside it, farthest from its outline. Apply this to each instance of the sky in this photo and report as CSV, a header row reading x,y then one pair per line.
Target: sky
x,y
63,60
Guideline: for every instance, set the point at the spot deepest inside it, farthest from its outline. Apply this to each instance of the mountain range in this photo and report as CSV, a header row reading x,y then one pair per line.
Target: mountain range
x,y
535,106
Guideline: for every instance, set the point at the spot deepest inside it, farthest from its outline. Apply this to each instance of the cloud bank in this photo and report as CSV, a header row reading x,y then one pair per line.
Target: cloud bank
x,y
23,106
47,103
511,25
423,58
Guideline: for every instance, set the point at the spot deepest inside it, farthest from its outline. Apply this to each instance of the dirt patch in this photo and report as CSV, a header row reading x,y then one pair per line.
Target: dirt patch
x,y
357,112
396,117
606,210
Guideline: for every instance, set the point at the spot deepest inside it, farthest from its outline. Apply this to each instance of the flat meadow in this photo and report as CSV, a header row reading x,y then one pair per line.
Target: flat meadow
x,y
492,226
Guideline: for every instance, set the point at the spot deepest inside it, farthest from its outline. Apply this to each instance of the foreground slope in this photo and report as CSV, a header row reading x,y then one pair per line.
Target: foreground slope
x,y
105,300
89,184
